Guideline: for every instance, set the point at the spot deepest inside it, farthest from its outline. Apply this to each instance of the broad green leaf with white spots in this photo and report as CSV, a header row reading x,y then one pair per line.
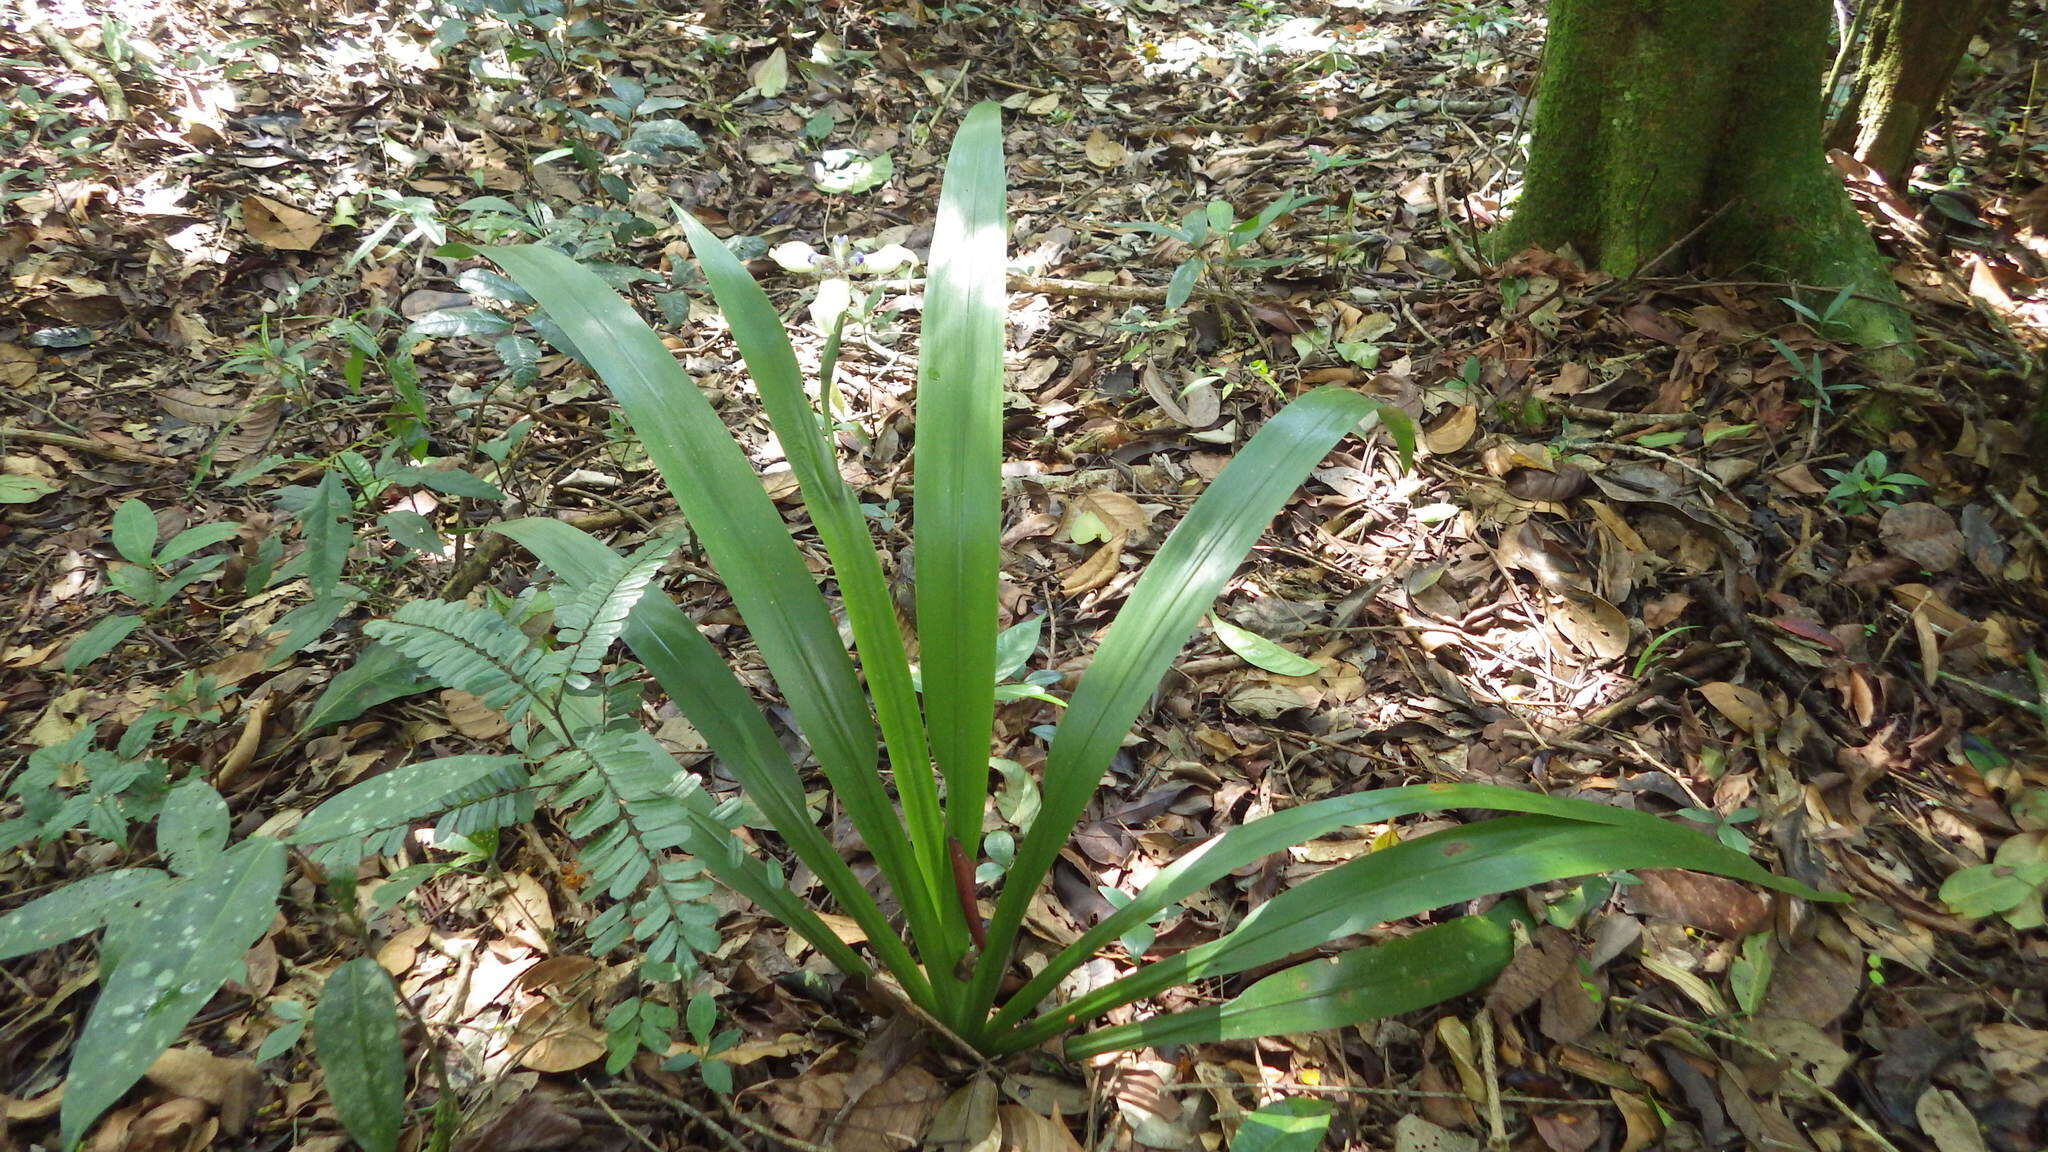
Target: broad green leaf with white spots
x,y
194,825
72,910
160,966
394,798
355,1039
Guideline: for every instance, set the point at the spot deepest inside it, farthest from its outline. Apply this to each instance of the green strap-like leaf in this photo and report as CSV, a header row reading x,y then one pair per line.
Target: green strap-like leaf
x,y
355,1040
1182,581
870,610
1445,868
691,671
741,532
160,965
1231,850
959,462
1363,984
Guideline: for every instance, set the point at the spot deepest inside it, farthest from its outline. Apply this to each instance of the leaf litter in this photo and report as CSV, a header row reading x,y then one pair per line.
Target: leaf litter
x,y
1649,555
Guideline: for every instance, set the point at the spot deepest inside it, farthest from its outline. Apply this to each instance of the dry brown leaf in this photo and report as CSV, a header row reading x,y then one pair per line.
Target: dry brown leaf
x,y
966,1122
1814,981
1104,152
2011,1051
1593,626
1554,486
1710,903
1948,1122
180,1125
276,224
1924,534
1454,431
1414,1134
557,1038
523,914
1744,707
472,717
1567,1129
1104,514
1097,570
531,1124
1027,1131
231,1084
1640,1118
1545,961
253,431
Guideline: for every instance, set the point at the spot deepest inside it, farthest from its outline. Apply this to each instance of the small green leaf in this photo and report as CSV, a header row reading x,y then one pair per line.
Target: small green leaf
x,y
847,170
102,638
413,530
1749,975
24,489
193,539
1402,975
135,532
1296,1124
194,825
281,1041
380,674
449,483
1015,645
355,1039
1182,285
1260,652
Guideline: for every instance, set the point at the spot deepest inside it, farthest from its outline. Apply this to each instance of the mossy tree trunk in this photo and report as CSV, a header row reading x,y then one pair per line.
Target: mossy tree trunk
x,y
1902,71
1688,133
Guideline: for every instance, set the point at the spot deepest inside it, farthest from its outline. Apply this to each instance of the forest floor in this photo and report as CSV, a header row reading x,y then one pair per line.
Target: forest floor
x,y
1652,551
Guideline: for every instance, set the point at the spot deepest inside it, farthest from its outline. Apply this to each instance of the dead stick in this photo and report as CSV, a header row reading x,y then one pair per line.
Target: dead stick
x,y
110,89
60,440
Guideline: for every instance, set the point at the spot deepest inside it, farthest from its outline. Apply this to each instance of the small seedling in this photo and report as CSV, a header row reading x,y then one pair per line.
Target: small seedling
x,y
1869,485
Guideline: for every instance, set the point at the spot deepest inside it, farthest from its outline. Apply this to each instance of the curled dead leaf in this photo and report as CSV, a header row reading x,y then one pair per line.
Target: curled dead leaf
x,y
1554,487
1922,533
276,224
1454,431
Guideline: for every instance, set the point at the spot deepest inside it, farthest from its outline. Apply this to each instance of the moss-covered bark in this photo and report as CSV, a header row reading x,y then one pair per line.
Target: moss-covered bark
x,y
1903,70
1691,130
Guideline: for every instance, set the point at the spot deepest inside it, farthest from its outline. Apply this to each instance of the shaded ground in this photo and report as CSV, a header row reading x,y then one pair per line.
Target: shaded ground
x,y
1649,554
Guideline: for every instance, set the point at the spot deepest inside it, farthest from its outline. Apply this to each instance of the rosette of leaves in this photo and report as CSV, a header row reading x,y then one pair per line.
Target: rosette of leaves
x,y
911,770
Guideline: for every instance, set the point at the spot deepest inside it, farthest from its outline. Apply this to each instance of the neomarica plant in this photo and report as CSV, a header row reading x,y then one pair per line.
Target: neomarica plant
x,y
920,811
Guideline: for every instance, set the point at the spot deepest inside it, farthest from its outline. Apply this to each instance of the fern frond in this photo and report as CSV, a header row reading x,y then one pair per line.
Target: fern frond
x,y
591,621
475,650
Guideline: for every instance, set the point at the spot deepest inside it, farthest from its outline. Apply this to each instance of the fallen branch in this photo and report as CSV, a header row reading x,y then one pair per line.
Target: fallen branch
x,y
33,17
82,444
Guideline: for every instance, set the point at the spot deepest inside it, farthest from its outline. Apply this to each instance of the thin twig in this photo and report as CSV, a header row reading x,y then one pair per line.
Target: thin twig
x,y
702,1117
82,444
2025,522
621,1123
